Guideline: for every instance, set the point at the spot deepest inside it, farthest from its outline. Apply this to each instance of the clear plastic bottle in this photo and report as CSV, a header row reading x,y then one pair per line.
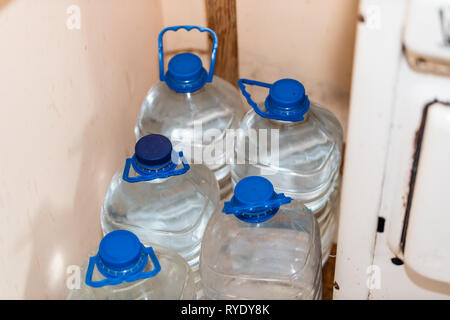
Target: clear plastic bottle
x,y
162,199
193,109
123,269
262,247
304,159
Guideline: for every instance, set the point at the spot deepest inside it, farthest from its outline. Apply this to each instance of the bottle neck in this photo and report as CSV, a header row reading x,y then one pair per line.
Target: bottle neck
x,y
282,123
142,170
187,94
97,276
257,217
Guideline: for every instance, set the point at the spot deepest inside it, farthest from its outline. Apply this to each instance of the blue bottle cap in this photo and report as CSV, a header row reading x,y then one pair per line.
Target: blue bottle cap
x,y
120,250
286,101
186,73
255,200
253,190
287,95
121,258
153,150
185,66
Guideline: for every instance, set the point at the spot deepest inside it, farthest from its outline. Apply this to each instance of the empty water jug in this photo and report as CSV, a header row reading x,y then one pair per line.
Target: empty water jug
x,y
161,198
263,246
193,109
302,156
124,268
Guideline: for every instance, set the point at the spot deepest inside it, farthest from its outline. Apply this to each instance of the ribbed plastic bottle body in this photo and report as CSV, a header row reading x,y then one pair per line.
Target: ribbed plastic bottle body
x,y
175,281
196,123
171,212
303,162
276,259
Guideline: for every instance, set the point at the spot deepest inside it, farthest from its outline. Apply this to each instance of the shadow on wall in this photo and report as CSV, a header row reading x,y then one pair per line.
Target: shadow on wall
x,y
67,237
427,283
121,66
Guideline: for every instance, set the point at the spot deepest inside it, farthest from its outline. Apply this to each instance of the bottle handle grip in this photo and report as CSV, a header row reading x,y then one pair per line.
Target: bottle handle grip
x,y
188,28
253,104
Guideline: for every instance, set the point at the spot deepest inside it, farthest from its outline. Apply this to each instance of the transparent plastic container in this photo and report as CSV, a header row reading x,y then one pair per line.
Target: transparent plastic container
x,y
162,199
193,109
304,158
123,269
263,246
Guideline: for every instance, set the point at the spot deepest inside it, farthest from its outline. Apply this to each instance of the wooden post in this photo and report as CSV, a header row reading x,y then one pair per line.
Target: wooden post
x,y
221,16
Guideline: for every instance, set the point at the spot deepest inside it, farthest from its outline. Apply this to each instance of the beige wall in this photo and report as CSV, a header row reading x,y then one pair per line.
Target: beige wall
x,y
68,104
182,12
69,100
311,41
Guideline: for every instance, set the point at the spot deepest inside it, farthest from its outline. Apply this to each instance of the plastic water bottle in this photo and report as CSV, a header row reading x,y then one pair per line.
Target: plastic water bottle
x,y
303,153
263,246
193,109
124,268
162,199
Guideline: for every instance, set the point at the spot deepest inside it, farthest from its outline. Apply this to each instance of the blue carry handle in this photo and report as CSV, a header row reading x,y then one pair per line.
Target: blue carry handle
x,y
297,116
248,97
188,28
127,277
147,173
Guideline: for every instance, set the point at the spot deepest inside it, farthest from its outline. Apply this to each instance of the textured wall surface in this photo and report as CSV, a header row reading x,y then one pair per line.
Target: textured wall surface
x,y
68,104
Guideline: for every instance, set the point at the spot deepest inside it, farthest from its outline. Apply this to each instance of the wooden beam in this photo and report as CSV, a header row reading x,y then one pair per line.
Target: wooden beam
x,y
221,17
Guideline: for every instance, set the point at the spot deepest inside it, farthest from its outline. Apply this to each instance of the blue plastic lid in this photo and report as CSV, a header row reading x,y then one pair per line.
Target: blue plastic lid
x,y
186,73
253,190
153,150
287,100
185,66
121,258
255,200
287,95
120,250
